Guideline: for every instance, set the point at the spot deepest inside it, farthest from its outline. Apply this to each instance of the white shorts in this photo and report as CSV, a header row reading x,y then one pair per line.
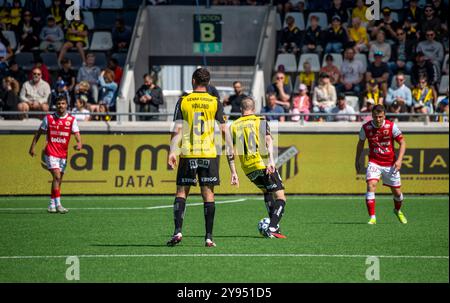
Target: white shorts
x,y
389,175
55,163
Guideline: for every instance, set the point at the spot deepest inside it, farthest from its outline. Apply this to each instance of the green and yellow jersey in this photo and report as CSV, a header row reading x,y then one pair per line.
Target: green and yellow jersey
x,y
198,113
249,138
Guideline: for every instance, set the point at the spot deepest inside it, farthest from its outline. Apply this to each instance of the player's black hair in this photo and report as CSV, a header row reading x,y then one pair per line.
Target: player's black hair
x,y
201,76
61,98
378,109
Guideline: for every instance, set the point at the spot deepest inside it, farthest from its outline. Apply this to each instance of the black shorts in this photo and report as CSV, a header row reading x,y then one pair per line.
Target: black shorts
x,y
206,169
270,183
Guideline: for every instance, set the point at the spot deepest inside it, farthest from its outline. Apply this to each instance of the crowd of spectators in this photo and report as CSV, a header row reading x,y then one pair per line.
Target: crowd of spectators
x,y
41,30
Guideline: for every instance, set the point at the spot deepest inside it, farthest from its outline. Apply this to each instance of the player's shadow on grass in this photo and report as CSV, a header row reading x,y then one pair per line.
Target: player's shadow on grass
x,y
240,236
137,245
23,213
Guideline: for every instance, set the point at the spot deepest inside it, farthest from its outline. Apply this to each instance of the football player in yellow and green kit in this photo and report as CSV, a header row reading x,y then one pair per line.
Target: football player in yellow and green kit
x,y
196,115
252,141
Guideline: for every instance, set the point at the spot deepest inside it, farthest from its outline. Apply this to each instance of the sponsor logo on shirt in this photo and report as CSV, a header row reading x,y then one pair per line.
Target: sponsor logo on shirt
x,y
59,140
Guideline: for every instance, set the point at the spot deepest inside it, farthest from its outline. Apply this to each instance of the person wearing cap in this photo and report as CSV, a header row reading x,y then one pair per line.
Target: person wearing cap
x,y
399,96
424,97
313,40
60,90
380,45
51,36
80,111
352,73
324,96
301,103
373,93
342,108
336,36
422,66
386,24
379,71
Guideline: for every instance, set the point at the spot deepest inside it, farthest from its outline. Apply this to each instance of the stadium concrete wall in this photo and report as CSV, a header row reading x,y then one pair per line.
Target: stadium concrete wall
x,y
136,163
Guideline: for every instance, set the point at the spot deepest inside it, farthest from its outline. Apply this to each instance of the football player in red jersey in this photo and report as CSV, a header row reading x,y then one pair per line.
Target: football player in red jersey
x,y
58,127
383,163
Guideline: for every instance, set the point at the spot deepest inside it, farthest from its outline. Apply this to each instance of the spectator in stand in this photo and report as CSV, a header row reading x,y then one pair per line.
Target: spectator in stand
x,y
9,96
6,52
441,9
331,70
324,96
367,109
373,93
442,108
37,9
84,88
352,73
338,9
51,36
414,13
295,6
90,73
76,36
121,35
431,22
287,77
80,112
102,108
402,53
307,76
336,36
412,31
424,97
107,89
399,97
57,10
343,108
34,94
16,72
380,45
433,50
16,14
235,100
301,103
60,90
148,98
5,19
39,63
379,71
113,65
359,11
67,74
281,91
290,37
386,25
273,108
424,67
314,39
27,32
358,35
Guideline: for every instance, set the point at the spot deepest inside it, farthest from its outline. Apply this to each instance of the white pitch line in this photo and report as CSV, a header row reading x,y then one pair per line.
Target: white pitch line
x,y
123,208
227,255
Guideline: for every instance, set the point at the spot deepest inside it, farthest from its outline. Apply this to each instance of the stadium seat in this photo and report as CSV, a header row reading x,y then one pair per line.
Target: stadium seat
x,y
112,4
48,3
337,60
104,20
445,63
75,58
363,58
25,60
407,82
51,60
132,4
394,16
120,57
278,25
101,41
299,20
313,59
101,60
289,62
422,3
11,37
323,19
130,18
443,86
353,101
88,19
392,4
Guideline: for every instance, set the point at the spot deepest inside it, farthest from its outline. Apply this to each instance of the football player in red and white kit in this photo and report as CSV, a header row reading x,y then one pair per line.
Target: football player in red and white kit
x,y
383,163
58,127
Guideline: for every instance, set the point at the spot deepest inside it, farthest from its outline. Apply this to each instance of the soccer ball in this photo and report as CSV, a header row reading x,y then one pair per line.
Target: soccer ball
x,y
263,225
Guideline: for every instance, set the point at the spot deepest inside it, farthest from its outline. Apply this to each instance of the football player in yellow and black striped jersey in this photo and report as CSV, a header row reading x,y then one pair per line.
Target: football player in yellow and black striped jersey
x,y
252,142
196,116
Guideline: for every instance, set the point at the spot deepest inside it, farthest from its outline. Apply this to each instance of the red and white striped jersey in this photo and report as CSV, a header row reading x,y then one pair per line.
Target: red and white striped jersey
x,y
59,130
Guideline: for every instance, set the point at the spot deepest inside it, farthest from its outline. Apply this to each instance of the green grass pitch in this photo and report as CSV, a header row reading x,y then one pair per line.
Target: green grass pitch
x,y
122,239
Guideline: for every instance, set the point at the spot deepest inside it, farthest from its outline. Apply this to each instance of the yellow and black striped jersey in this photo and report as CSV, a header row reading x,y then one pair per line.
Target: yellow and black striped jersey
x,y
198,112
249,138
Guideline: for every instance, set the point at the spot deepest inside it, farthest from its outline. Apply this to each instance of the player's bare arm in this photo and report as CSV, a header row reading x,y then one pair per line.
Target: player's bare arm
x,y
271,165
79,145
401,153
34,142
359,150
175,138
229,149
